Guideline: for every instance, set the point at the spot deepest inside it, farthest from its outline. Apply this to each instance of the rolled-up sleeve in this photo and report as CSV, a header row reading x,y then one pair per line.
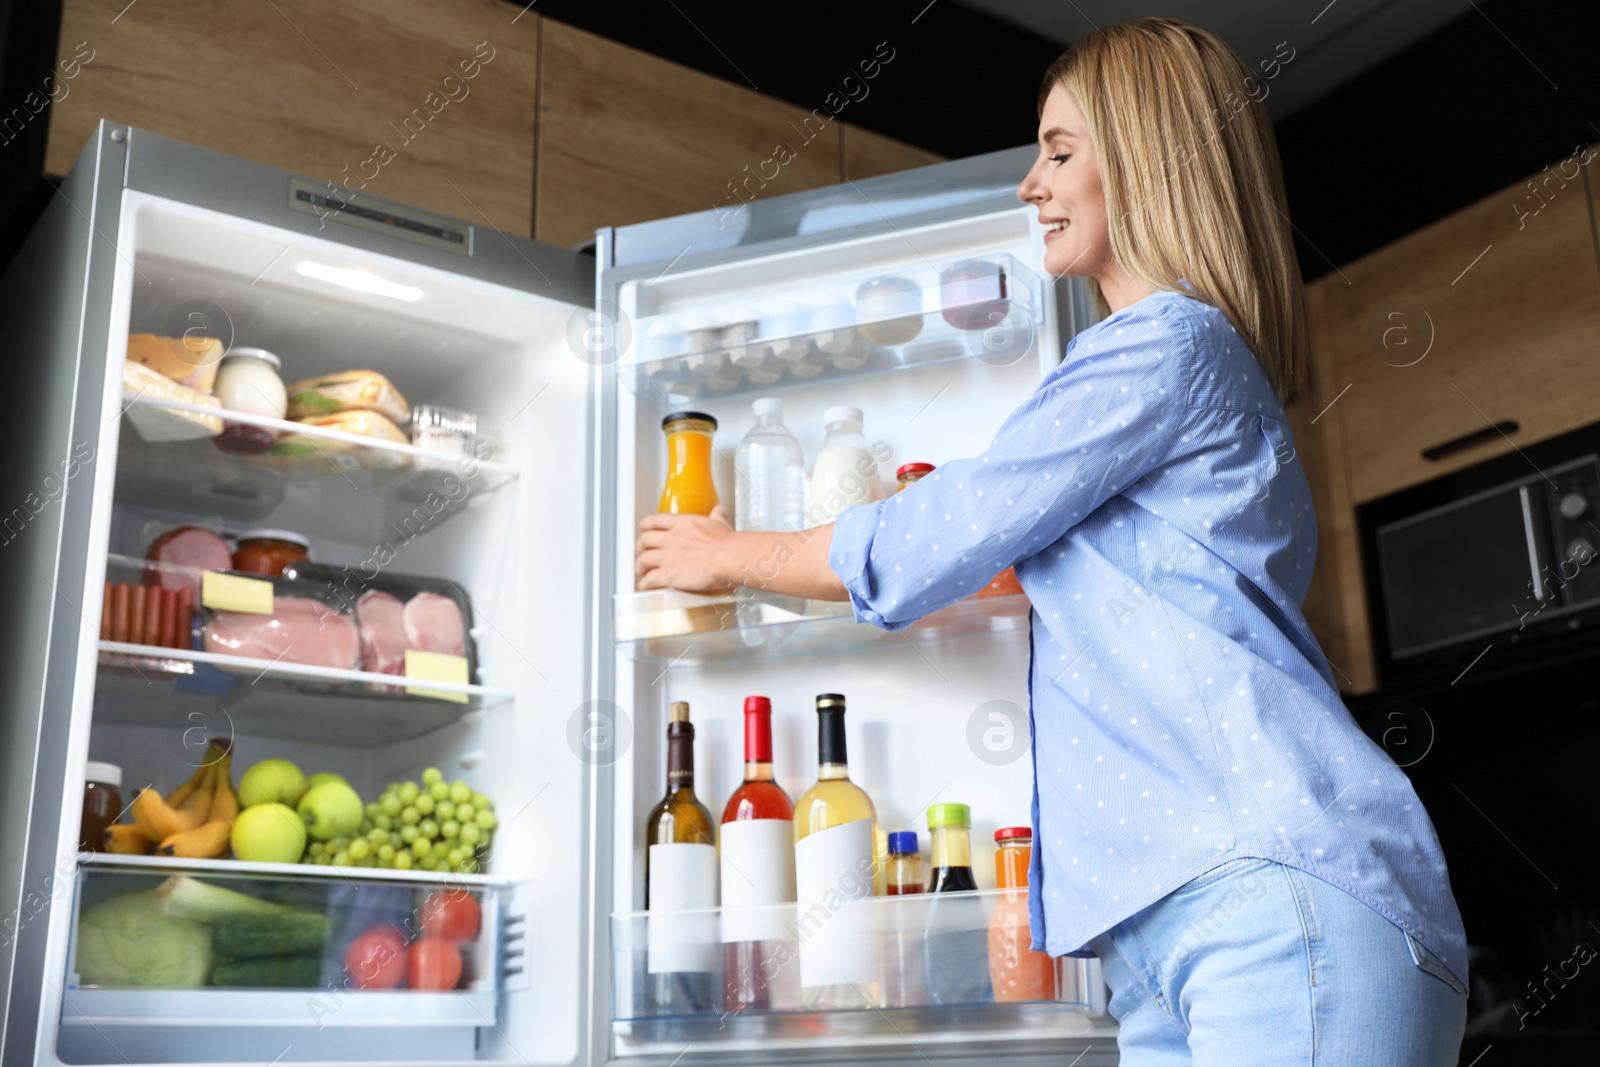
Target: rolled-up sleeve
x,y
1110,413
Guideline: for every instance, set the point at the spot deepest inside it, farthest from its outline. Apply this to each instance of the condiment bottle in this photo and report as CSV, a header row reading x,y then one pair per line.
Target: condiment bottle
x,y
912,473
955,949
102,803
1016,971
903,925
248,382
689,489
269,552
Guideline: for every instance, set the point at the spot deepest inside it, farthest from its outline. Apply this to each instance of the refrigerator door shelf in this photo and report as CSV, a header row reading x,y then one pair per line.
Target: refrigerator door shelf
x,y
166,865
684,628
920,951
987,308
339,485
167,687
121,913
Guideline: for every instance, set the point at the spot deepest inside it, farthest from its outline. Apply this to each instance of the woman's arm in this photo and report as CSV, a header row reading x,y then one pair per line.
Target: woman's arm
x,y
696,552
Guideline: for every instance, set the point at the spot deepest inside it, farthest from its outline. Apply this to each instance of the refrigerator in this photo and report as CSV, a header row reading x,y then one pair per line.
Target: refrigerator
x,y
917,297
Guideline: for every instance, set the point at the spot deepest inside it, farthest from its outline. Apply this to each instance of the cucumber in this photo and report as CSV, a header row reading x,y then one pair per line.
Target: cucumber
x,y
277,972
249,937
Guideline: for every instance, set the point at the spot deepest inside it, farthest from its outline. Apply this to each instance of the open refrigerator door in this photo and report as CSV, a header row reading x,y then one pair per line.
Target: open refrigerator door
x,y
918,299
418,489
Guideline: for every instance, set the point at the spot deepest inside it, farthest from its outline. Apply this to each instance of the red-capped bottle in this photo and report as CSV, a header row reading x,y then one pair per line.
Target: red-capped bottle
x,y
757,854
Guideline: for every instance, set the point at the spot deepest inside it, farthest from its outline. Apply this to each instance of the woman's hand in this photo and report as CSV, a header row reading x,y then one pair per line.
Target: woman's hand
x,y
679,551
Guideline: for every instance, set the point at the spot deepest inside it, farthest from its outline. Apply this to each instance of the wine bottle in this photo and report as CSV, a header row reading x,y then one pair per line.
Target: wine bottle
x,y
835,834
680,877
956,949
757,851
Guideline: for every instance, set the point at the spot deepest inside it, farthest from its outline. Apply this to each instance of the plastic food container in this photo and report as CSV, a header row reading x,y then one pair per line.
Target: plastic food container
x,y
972,295
269,552
889,310
447,431
248,382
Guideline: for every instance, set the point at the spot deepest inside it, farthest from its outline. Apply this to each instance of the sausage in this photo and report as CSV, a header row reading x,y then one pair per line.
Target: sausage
x,y
120,595
136,599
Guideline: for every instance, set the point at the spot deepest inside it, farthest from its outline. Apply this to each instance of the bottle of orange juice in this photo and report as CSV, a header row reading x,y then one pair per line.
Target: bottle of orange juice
x,y
1015,970
689,489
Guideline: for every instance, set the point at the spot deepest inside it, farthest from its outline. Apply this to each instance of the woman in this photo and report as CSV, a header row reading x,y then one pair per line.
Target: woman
x,y
1257,876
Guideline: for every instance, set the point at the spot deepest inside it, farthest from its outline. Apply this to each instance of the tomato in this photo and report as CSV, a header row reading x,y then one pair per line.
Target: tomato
x,y
376,959
452,914
435,964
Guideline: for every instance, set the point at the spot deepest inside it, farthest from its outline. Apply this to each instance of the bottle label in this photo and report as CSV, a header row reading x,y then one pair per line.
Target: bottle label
x,y
835,920
757,873
683,879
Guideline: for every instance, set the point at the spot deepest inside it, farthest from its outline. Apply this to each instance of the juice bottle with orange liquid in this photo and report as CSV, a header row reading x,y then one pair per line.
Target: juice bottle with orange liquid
x,y
689,489
1016,971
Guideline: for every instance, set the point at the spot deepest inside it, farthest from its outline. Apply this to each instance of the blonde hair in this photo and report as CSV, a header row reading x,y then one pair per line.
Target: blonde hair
x,y
1193,185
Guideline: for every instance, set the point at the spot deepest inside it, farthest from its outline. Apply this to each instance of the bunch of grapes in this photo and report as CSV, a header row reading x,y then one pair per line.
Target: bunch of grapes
x,y
433,826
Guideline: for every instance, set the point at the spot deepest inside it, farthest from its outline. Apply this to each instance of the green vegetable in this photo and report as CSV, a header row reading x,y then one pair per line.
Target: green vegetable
x,y
129,941
279,972
291,933
182,897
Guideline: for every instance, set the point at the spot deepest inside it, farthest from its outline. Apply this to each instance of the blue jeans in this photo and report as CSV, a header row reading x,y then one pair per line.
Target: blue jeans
x,y
1256,964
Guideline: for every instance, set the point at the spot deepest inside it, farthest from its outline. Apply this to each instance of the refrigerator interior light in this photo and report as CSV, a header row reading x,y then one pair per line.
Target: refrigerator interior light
x,y
362,281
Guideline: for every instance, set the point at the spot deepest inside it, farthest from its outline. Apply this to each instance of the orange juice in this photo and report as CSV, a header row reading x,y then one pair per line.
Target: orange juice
x,y
689,489
1016,971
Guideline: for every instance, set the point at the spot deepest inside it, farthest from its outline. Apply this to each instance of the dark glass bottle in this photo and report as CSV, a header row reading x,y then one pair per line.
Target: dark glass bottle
x,y
956,949
689,877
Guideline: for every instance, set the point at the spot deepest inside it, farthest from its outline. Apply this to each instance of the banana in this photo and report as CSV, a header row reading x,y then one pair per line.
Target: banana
x,y
157,819
125,839
197,805
206,841
180,794
224,801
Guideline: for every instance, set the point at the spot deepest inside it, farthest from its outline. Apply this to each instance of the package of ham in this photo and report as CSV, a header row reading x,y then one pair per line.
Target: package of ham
x,y
186,551
395,613
299,630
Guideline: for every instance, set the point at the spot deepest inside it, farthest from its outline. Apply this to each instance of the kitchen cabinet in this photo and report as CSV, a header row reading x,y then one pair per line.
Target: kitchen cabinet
x,y
625,136
371,93
1467,339
867,154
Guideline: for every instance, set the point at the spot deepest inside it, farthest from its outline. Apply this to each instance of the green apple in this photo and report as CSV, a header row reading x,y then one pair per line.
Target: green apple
x,y
272,781
324,776
269,833
331,810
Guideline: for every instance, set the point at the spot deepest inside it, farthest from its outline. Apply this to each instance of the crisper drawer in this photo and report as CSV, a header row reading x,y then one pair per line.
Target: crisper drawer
x,y
203,964
950,966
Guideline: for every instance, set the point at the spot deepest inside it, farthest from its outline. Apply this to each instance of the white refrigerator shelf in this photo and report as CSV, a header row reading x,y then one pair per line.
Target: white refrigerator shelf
x,y
686,628
343,485
144,685
164,865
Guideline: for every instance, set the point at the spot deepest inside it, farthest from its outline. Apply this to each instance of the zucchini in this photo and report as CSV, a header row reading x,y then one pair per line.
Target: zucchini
x,y
290,933
275,972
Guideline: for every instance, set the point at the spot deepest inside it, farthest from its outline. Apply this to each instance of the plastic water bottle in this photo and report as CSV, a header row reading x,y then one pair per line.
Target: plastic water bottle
x,y
770,485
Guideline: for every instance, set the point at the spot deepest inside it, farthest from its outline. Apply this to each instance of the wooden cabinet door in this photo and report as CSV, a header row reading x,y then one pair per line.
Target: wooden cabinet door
x,y
1487,318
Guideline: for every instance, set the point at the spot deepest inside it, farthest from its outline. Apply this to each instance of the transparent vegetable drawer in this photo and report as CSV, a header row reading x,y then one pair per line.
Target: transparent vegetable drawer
x,y
216,949
986,308
859,963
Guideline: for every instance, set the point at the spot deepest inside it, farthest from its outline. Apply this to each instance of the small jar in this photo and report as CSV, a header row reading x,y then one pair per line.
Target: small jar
x,y
248,382
102,803
270,552
889,310
448,431
911,473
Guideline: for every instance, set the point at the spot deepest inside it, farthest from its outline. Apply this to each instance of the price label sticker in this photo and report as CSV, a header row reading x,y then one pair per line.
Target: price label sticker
x,y
436,667
230,592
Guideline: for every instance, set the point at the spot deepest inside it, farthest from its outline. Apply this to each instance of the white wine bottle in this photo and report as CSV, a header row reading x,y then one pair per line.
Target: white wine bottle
x,y
835,852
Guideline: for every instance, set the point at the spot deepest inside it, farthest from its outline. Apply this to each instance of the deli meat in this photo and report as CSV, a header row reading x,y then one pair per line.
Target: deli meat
x,y
298,631
383,634
433,624
188,547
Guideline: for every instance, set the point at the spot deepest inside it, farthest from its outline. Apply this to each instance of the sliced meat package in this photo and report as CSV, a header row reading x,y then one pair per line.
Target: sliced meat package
x,y
188,550
397,612
299,630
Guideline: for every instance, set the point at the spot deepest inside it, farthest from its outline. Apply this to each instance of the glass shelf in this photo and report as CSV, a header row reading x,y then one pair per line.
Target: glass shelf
x,y
345,486
167,865
288,971
149,686
987,309
684,628
840,959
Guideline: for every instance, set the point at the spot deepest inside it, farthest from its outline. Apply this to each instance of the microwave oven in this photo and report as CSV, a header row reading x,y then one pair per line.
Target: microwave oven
x,y
1499,562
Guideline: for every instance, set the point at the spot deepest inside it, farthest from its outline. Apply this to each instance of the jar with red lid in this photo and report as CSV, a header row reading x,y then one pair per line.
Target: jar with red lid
x,y
1016,971
270,552
911,473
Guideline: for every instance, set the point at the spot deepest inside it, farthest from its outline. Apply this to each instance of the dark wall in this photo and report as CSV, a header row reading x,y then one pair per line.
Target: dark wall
x,y
1483,102
28,33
